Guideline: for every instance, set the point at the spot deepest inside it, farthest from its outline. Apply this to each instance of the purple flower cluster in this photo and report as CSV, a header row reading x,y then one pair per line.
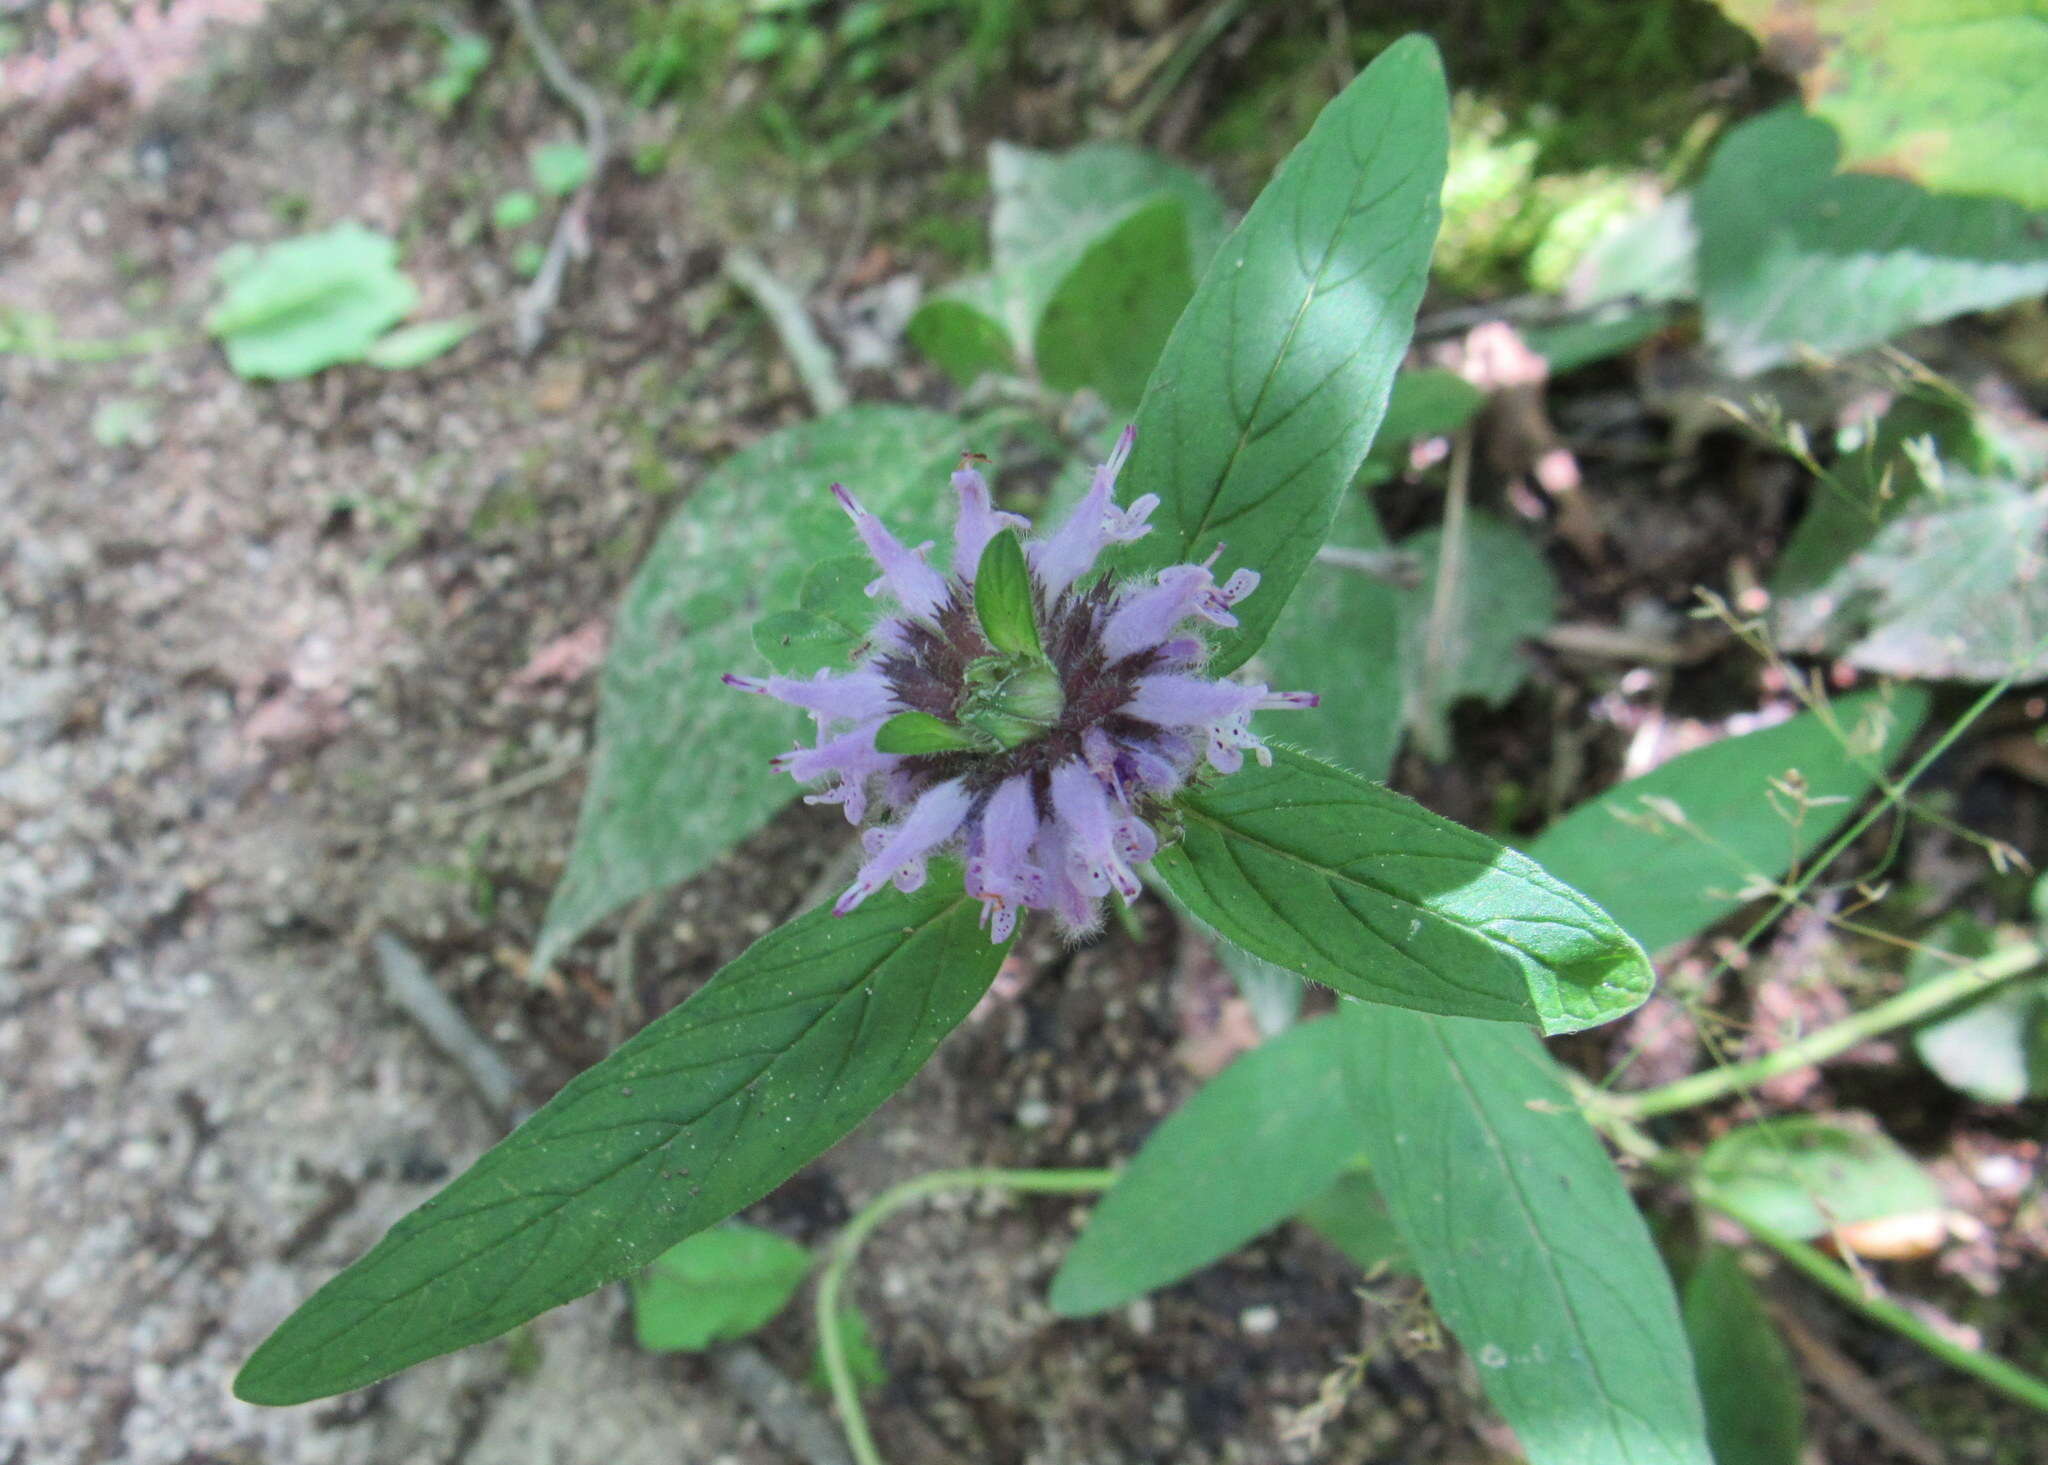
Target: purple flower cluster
x,y
1054,765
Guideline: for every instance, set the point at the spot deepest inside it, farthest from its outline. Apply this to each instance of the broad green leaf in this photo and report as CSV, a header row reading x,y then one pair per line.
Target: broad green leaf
x,y
911,733
719,1284
560,168
1534,1255
1793,255
680,771
1755,1415
1276,378
1352,1215
416,345
704,1111
1352,885
1951,588
514,210
1003,600
1996,1049
1674,850
1253,1146
1503,594
1104,325
307,303
1946,93
837,590
1803,1176
802,643
1340,638
1065,241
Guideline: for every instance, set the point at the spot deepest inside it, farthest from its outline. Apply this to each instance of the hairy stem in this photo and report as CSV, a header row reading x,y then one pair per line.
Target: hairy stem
x,y
832,1282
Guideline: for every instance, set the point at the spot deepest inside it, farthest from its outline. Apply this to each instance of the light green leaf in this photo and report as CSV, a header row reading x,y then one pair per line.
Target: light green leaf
x,y
1105,323
837,590
1802,1176
1996,1049
1340,638
464,55
1650,258
704,1111
1253,1146
1003,598
559,168
1052,206
1946,93
1503,595
1670,852
802,643
1350,884
1755,1415
964,328
307,303
1352,1216
911,733
1534,1255
863,1359
1792,255
514,210
719,1284
679,773
1953,587
416,345
1276,378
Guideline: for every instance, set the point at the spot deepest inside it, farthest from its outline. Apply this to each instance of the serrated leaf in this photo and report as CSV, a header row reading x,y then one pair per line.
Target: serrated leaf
x,y
670,736
1534,1255
802,643
1003,600
298,306
1253,1146
1276,378
1945,92
1755,1415
416,345
1793,255
1352,1215
704,1111
1354,886
1802,1176
1665,880
1340,638
719,1284
1104,324
1504,594
911,733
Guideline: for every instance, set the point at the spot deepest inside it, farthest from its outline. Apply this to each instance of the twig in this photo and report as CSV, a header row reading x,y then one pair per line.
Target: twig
x,y
408,986
517,786
1393,567
572,228
780,1406
808,352
1444,608
845,1393
1911,1006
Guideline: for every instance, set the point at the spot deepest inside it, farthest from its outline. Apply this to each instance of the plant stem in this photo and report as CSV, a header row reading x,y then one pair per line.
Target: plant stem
x,y
832,1281
1988,1368
1910,1006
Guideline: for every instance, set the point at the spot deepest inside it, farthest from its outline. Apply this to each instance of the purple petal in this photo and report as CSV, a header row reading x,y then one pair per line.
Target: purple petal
x,y
1147,617
856,696
1070,551
1084,811
979,522
918,588
932,820
1174,699
999,869
1074,911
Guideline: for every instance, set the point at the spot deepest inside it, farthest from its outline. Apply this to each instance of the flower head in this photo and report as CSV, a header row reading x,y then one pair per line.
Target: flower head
x,y
1022,711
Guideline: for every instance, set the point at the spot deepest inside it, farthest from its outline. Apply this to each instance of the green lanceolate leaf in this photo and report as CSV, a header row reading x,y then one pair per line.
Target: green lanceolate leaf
x,y
1351,1214
1793,254
719,1284
1669,853
1747,1381
1255,1145
1275,380
1105,324
1801,1176
911,733
1350,884
704,1111
743,545
1002,597
1534,1255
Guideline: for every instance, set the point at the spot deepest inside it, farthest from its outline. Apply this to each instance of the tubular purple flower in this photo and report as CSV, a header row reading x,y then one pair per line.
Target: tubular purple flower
x,y
1053,756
